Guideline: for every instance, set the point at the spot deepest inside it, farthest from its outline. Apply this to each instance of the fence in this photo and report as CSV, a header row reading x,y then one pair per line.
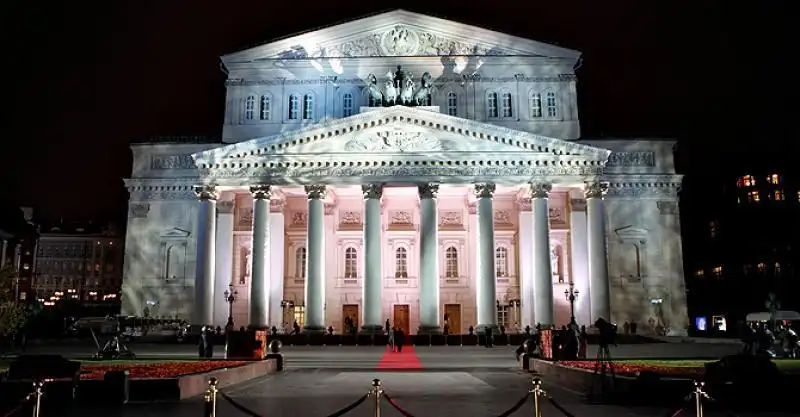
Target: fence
x,y
31,404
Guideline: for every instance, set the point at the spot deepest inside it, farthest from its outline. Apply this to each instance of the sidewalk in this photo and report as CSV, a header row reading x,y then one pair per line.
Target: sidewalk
x,y
706,340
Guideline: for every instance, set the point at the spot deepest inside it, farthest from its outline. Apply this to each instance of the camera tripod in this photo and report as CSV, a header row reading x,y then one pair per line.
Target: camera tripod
x,y
603,371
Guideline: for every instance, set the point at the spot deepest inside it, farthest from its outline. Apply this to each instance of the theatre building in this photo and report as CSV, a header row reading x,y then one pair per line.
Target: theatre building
x,y
408,168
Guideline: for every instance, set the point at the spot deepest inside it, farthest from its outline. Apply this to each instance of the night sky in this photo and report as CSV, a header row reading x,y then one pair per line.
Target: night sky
x,y
87,80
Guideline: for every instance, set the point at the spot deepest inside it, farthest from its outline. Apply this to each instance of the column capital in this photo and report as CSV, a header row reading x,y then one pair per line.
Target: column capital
x,y
316,192
485,190
225,206
540,189
261,191
524,204
205,192
372,191
595,189
276,205
429,190
577,204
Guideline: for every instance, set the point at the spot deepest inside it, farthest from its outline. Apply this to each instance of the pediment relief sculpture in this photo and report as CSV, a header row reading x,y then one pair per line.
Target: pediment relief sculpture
x,y
395,140
451,218
176,232
556,215
350,218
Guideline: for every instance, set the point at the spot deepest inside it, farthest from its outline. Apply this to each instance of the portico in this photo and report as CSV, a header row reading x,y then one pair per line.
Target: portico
x,y
409,151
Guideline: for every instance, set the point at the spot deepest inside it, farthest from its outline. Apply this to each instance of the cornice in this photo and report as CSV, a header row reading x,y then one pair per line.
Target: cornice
x,y
359,82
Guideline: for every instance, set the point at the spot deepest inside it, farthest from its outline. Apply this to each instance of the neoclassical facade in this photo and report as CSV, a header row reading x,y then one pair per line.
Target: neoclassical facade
x,y
407,168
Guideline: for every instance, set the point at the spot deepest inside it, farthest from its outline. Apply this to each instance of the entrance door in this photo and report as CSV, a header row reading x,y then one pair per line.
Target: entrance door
x,y
401,313
350,311
453,313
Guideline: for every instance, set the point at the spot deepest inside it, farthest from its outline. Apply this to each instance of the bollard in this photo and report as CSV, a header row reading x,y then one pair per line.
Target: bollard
x,y
210,398
37,397
699,394
537,392
377,392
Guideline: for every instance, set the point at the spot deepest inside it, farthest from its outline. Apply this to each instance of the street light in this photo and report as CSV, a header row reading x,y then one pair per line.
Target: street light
x,y
230,297
571,294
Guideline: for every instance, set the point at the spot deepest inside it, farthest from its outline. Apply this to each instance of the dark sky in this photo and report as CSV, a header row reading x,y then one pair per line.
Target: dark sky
x,y
87,80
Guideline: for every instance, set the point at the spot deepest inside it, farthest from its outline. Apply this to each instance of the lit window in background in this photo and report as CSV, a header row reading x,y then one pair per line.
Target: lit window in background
x,y
717,271
746,181
752,196
774,179
778,195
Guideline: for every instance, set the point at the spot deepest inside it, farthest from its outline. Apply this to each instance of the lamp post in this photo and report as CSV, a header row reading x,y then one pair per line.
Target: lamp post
x,y
230,297
286,304
571,294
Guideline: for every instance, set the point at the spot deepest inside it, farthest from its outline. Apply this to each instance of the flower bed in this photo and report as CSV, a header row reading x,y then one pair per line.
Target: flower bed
x,y
156,370
631,369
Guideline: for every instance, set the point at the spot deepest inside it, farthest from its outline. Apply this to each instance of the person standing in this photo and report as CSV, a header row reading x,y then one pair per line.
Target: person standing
x,y
391,339
399,340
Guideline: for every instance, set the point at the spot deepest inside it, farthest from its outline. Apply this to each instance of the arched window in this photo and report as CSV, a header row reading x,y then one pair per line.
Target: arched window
x,y
551,104
452,104
401,263
451,262
491,106
250,108
300,263
350,263
347,105
535,104
294,107
501,261
506,105
265,107
308,107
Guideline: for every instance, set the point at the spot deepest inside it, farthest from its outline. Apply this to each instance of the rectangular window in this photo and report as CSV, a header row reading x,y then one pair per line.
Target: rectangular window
x,y
778,195
536,105
551,104
503,316
507,112
491,106
752,196
266,107
452,104
717,271
774,179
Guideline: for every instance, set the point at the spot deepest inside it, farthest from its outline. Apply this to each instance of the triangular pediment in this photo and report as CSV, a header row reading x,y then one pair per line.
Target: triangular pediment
x,y
399,33
175,233
631,232
401,131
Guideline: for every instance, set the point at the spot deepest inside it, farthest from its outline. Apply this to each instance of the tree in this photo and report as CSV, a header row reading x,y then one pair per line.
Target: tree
x,y
12,313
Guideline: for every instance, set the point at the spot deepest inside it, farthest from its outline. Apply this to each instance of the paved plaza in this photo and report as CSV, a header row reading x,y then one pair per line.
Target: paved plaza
x,y
469,381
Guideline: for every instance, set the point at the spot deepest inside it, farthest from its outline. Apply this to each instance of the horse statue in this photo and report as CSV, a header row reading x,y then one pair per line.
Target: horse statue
x,y
373,91
424,93
390,93
407,93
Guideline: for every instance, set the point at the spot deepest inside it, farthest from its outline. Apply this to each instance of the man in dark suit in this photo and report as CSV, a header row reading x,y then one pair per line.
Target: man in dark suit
x,y
399,339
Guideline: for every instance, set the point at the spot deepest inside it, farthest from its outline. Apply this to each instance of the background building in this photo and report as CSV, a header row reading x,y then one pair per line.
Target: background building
x,y
741,239
82,262
18,240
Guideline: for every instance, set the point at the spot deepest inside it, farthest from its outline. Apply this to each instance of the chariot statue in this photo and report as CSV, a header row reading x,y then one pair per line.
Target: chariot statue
x,y
373,91
399,89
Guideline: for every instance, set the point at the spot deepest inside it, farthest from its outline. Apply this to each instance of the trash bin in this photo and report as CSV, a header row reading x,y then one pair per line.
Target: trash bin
x,y
118,387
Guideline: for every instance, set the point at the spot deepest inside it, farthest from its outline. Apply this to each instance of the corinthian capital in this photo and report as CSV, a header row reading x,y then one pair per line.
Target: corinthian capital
x,y
540,189
485,190
261,191
429,190
372,191
205,192
595,189
316,192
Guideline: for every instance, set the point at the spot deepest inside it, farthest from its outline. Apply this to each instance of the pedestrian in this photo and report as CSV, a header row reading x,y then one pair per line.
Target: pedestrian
x,y
391,339
399,339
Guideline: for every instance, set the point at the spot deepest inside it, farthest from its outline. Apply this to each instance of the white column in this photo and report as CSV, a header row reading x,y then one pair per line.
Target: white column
x,y
598,260
580,260
223,260
371,298
277,234
486,288
203,313
428,260
542,274
259,280
315,259
526,264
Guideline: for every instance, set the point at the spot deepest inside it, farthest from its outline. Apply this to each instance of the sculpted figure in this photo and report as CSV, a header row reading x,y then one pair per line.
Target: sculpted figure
x,y
426,87
390,93
373,91
407,94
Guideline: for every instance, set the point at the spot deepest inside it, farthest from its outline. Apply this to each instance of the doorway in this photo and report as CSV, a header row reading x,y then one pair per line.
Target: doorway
x,y
350,311
452,314
401,314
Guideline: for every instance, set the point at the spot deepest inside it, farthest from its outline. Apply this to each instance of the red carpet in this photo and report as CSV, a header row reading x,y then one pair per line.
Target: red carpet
x,y
407,359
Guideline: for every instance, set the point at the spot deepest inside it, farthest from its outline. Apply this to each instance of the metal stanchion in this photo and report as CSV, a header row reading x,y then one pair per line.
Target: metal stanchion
x,y
537,393
699,394
377,392
37,397
210,399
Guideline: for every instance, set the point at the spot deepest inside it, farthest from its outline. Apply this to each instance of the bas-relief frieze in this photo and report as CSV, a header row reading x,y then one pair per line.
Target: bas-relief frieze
x,y
156,193
451,218
502,217
350,218
631,159
170,162
556,215
138,210
645,190
277,174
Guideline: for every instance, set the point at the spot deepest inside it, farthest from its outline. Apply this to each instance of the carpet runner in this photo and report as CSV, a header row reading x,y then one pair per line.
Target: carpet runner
x,y
407,359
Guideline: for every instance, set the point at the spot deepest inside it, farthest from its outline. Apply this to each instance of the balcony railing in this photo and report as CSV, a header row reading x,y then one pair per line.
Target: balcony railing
x,y
453,282
400,282
347,282
506,280
295,282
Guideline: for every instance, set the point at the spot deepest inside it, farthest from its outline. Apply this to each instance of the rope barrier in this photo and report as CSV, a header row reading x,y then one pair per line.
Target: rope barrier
x,y
516,406
241,408
396,406
558,406
350,407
